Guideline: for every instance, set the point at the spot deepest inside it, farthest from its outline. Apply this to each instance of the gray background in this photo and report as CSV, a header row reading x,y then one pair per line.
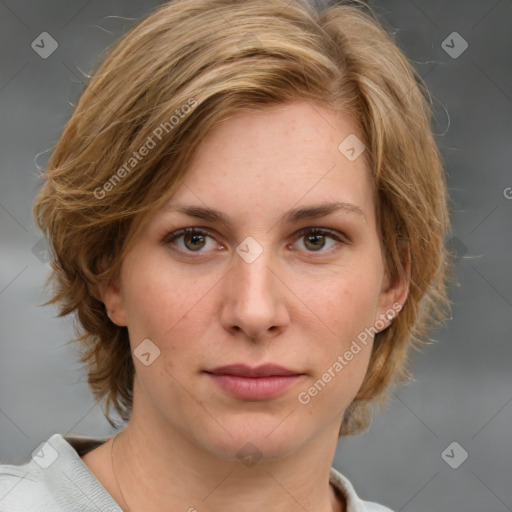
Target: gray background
x,y
463,388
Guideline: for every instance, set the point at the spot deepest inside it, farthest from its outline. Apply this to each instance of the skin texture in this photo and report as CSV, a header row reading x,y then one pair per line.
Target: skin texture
x,y
300,304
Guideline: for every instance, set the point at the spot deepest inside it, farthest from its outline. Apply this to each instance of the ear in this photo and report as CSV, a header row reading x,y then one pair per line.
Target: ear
x,y
395,289
112,297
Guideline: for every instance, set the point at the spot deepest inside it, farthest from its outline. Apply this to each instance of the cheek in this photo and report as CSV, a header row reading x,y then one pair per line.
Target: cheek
x,y
167,307
335,386
347,305
347,302
151,294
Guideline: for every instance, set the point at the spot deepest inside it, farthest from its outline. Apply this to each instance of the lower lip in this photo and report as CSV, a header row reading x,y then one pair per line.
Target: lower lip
x,y
254,388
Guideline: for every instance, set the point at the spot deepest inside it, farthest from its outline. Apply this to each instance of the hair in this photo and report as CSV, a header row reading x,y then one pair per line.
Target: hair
x,y
183,69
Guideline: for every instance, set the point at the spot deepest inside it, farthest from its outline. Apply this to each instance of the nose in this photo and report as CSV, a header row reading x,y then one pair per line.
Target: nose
x,y
254,300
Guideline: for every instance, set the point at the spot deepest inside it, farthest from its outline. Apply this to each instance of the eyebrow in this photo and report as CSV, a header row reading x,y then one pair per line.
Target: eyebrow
x,y
293,216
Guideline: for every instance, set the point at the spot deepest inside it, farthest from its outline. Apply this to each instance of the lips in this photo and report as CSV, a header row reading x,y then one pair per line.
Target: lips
x,y
242,370
259,383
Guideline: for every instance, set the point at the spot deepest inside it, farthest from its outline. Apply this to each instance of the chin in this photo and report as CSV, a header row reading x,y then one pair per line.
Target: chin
x,y
266,440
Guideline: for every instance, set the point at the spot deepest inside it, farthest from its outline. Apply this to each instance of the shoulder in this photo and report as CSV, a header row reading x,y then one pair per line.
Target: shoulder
x,y
354,502
54,479
23,478
27,487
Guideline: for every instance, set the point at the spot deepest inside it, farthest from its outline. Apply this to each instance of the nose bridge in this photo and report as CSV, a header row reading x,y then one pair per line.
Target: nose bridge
x,y
252,302
252,273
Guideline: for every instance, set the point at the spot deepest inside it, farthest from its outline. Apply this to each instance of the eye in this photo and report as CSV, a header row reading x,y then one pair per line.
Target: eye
x,y
197,240
316,239
193,239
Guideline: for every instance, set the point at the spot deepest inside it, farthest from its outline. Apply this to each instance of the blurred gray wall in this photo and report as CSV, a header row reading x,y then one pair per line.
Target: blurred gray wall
x,y
463,388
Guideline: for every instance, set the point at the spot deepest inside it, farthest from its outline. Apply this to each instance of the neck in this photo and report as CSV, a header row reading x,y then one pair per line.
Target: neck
x,y
154,467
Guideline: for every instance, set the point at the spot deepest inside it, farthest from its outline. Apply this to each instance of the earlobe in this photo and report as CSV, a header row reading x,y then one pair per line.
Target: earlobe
x,y
112,299
396,290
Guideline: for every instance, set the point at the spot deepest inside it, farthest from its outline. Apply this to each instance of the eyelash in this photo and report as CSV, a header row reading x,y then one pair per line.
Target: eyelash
x,y
171,237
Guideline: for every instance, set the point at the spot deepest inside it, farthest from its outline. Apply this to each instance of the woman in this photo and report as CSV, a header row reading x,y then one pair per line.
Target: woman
x,y
247,212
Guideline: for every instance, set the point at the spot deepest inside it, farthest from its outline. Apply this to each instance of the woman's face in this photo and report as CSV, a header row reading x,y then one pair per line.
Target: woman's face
x,y
273,284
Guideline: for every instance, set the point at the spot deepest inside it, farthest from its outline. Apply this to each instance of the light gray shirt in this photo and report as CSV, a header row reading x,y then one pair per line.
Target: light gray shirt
x,y
55,479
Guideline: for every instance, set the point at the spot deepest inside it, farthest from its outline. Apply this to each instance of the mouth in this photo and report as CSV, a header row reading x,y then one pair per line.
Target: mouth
x,y
259,383
243,370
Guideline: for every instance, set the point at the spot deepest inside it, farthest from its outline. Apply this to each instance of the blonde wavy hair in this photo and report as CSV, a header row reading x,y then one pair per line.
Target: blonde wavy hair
x,y
192,64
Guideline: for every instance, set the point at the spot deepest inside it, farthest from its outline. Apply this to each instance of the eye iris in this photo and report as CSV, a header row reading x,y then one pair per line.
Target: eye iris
x,y
195,239
314,239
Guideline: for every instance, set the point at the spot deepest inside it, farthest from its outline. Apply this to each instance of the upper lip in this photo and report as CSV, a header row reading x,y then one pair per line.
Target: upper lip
x,y
243,370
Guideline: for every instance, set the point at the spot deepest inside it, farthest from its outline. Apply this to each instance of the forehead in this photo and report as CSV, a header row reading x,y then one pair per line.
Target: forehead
x,y
274,159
